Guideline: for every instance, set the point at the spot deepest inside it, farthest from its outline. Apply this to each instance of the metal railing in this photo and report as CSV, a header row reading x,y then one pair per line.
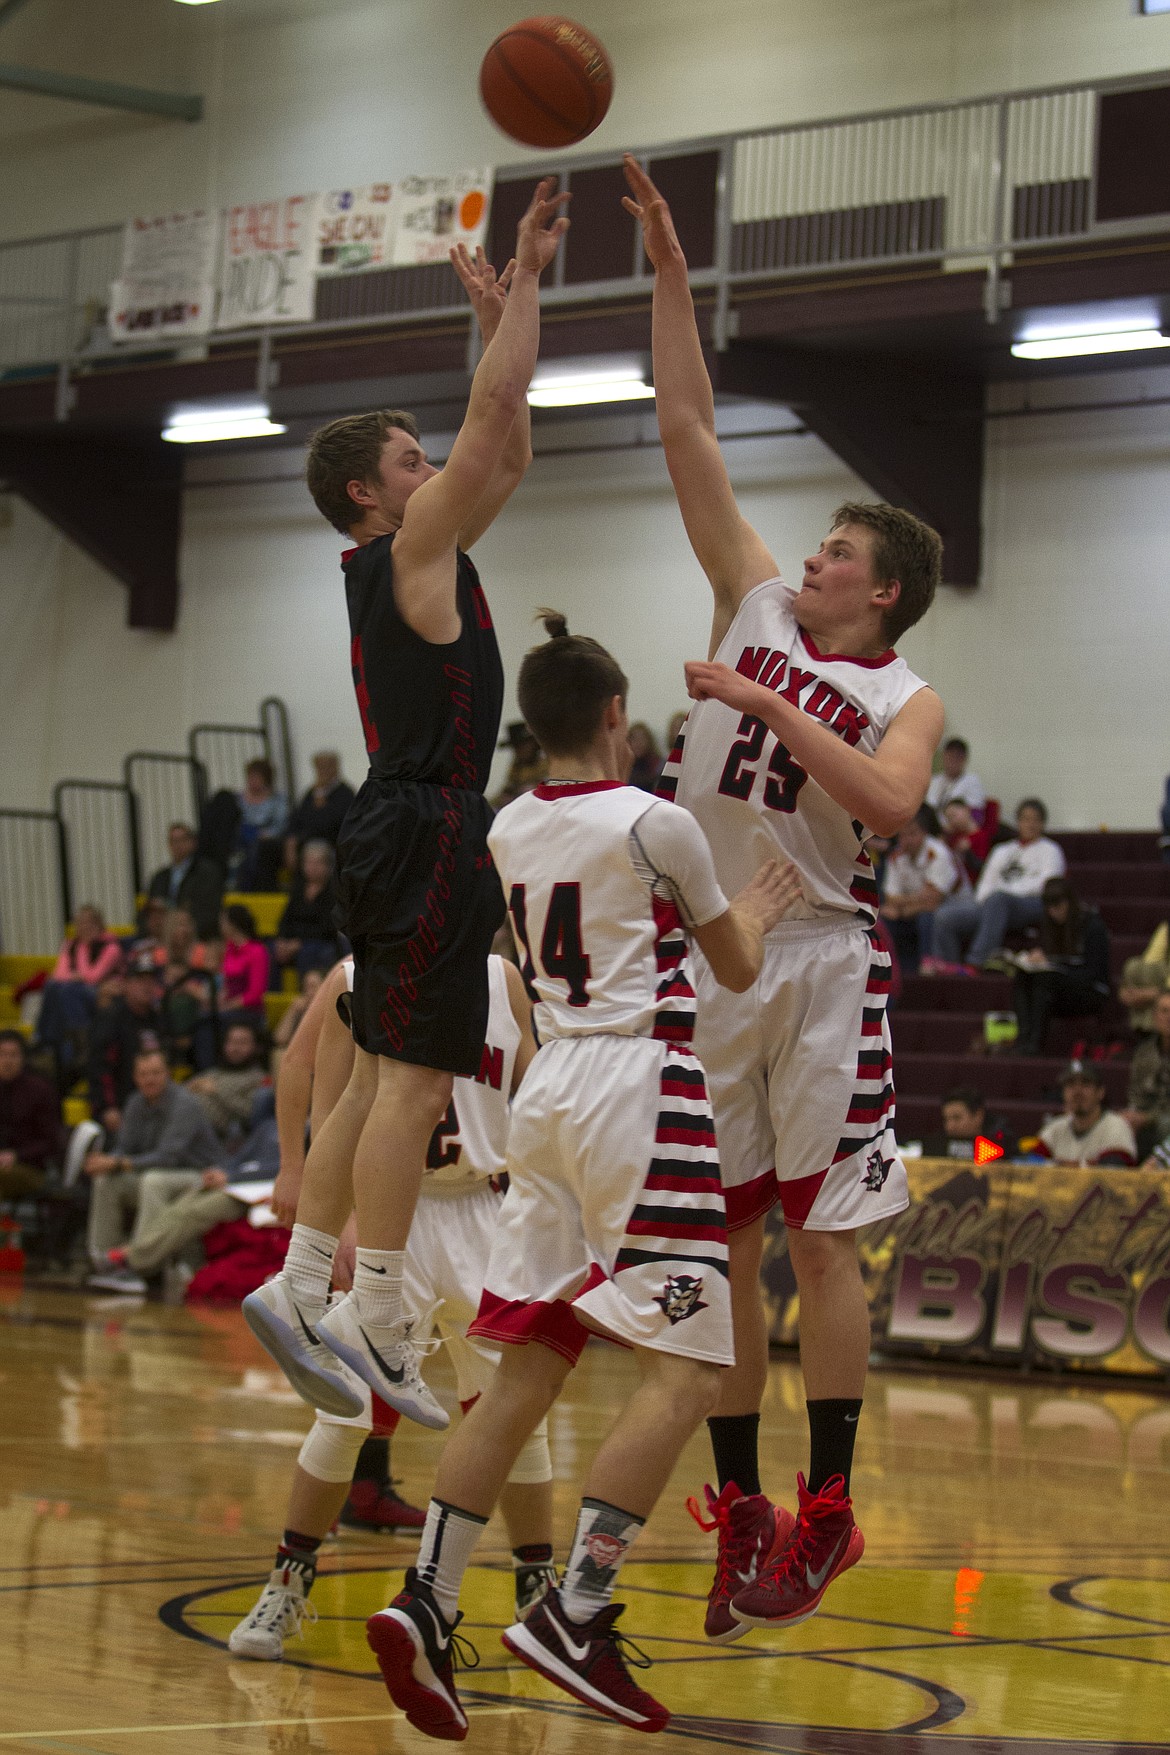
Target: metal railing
x,y
98,817
167,789
34,882
965,183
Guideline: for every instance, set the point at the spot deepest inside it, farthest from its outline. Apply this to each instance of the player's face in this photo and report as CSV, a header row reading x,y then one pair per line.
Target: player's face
x,y
402,469
840,586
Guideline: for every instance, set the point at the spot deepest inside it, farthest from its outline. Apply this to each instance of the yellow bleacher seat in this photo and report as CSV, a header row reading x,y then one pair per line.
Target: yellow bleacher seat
x,y
75,1110
266,908
275,1006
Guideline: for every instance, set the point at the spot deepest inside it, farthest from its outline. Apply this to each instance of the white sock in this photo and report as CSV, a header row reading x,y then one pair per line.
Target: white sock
x,y
449,1540
308,1268
377,1286
601,1542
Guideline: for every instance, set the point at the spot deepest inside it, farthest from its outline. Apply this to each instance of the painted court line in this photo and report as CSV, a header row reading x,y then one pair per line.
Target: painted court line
x,y
230,1724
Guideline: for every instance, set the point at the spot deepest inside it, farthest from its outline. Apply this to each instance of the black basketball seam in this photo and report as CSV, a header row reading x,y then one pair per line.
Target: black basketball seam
x,y
533,97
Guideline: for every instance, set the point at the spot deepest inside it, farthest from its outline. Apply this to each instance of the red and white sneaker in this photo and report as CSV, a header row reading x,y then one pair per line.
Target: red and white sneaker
x,y
416,1648
749,1526
588,1660
823,1544
371,1507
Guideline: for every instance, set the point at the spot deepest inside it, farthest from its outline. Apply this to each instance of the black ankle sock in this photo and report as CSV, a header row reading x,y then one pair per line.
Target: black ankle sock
x,y
373,1463
299,1551
735,1440
832,1430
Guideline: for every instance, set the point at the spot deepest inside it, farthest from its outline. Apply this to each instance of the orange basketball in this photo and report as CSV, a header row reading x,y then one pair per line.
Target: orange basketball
x,y
546,82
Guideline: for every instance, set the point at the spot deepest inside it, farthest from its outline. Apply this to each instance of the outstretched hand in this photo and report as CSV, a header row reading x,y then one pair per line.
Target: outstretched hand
x,y
537,238
649,208
707,681
487,290
770,894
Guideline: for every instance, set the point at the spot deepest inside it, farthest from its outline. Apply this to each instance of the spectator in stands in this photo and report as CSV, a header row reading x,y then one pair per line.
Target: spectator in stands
x,y
1087,1133
167,1226
1066,973
165,1133
259,838
226,1090
190,881
647,764
286,1029
130,1024
30,1121
243,969
969,841
1006,897
964,1117
920,873
956,781
321,812
1149,1081
528,766
151,932
188,1003
1143,979
306,937
69,998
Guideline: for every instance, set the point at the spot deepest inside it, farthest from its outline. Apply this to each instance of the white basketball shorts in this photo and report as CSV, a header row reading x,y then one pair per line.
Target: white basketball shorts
x,y
447,1256
801,1081
614,1206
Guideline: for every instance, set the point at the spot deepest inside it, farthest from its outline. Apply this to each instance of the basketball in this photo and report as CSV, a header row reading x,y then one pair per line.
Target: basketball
x,y
546,82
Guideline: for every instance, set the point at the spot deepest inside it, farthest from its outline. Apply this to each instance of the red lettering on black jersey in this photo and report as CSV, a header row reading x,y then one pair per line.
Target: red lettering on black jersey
x,y
491,1068
358,664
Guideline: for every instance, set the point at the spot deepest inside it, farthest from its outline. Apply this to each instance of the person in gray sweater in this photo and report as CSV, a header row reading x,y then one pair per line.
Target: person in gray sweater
x,y
166,1146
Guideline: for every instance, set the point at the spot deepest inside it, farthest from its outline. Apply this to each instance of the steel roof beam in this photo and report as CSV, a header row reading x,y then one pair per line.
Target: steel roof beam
x,y
174,105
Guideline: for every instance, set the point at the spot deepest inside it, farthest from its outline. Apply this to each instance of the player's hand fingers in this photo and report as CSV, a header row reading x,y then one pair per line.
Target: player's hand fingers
x,y
504,280
633,207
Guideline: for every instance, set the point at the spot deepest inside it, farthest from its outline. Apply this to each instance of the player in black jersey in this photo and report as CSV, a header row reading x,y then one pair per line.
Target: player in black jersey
x,y
420,900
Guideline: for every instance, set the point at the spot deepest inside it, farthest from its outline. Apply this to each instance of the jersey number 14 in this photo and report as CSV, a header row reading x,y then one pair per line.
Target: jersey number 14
x,y
562,955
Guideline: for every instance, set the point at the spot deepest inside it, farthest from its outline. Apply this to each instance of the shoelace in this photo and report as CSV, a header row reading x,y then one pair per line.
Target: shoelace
x,y
731,1549
624,1646
463,1654
277,1602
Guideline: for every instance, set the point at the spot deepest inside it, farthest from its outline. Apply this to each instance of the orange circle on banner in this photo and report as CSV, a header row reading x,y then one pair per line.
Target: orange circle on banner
x,y
471,210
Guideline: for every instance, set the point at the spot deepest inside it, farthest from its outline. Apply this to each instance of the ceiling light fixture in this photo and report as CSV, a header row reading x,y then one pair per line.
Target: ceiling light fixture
x,y
205,426
579,389
1061,347
196,2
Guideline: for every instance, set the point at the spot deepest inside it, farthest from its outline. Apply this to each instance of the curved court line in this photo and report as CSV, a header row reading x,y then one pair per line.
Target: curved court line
x,y
1062,1592
948,1706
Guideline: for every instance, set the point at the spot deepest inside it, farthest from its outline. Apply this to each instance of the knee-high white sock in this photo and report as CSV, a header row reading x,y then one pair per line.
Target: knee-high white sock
x,y
308,1268
377,1287
602,1541
449,1540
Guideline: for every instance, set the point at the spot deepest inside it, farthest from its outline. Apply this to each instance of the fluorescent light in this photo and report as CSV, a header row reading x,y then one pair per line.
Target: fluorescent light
x,y
204,426
614,382
1060,347
196,2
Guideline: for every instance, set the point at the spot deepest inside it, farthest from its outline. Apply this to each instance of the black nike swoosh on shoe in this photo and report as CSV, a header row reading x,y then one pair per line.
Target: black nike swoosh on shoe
x,y
397,1378
313,1340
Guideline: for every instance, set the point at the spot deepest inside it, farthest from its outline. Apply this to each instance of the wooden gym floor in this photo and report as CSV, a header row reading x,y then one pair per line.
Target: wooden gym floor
x,y
1014,1596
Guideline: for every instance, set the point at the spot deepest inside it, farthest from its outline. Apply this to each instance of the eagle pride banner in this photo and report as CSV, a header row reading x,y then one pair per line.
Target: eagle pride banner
x,y
1012,1264
268,271
167,280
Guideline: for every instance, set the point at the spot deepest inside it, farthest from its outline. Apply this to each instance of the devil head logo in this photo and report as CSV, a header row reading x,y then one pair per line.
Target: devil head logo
x,y
680,1297
877,1169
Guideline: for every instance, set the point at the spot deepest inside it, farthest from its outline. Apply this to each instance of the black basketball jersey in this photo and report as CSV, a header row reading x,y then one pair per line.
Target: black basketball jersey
x,y
429,712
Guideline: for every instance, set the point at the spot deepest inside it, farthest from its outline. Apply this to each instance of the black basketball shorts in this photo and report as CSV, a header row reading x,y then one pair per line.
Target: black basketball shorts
x,y
420,903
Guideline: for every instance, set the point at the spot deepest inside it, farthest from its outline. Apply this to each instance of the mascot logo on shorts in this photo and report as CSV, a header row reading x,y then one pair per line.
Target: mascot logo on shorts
x,y
680,1297
877,1169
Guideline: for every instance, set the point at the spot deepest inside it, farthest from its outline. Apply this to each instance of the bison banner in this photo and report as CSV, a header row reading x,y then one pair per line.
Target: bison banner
x,y
1013,1264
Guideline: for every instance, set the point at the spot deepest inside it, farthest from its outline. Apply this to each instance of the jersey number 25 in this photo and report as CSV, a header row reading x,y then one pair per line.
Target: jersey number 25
x,y
785,777
562,955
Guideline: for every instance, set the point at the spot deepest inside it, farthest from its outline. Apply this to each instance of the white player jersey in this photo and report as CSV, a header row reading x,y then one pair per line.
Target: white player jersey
x,y
600,879
470,1143
750,797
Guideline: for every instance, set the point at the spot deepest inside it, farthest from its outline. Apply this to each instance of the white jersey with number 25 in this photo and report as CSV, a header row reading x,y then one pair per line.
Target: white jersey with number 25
x,y
750,797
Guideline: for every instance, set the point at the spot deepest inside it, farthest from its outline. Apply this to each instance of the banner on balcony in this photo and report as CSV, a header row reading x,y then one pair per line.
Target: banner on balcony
x,y
1013,1264
166,286
433,213
355,229
268,269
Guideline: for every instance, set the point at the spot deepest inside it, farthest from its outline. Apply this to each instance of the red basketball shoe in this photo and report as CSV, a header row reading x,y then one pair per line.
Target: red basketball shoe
x,y
750,1527
588,1660
823,1543
371,1507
